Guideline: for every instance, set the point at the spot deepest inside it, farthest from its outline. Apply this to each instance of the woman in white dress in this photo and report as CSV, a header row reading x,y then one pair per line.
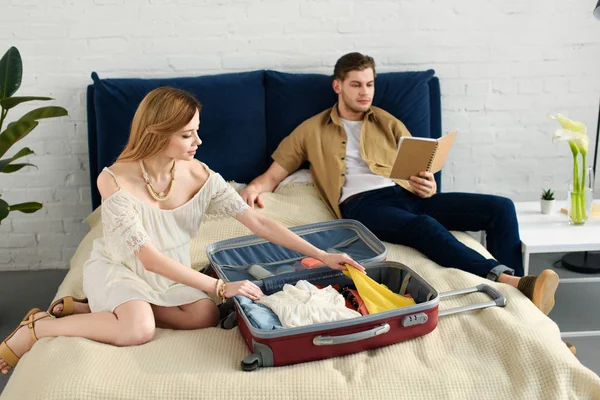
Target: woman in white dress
x,y
138,276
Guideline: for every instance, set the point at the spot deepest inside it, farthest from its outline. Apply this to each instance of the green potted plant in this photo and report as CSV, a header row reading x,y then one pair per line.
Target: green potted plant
x,y
547,201
11,72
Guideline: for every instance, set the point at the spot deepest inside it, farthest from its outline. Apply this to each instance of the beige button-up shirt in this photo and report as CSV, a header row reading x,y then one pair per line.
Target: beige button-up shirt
x,y
321,140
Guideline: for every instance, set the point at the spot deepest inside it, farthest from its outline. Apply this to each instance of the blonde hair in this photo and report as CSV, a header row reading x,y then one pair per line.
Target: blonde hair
x,y
161,113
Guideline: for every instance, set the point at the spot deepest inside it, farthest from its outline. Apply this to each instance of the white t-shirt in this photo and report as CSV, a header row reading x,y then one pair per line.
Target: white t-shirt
x,y
359,178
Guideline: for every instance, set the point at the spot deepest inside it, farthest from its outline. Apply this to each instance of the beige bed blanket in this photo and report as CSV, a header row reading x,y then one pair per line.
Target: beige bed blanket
x,y
497,353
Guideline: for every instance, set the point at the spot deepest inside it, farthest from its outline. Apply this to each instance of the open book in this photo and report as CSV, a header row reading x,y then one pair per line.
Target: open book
x,y
417,154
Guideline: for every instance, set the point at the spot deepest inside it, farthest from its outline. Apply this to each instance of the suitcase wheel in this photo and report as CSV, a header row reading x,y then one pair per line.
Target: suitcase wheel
x,y
230,321
251,362
227,315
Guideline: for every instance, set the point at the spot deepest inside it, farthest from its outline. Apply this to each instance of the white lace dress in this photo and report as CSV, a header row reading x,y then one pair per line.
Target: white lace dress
x,y
113,274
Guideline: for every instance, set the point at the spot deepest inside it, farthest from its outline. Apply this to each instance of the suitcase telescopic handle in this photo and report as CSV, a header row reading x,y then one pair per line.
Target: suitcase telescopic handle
x,y
353,337
498,299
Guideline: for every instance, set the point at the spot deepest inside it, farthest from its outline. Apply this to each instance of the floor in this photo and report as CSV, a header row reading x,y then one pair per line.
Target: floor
x,y
22,290
576,308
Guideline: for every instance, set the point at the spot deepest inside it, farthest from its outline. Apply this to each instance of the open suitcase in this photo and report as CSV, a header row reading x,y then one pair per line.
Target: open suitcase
x,y
232,260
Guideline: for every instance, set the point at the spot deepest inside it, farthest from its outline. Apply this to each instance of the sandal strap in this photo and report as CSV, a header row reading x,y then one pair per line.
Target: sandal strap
x,y
30,325
68,306
8,355
6,352
68,303
30,322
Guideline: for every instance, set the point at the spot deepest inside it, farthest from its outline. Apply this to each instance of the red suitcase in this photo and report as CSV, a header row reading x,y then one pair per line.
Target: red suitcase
x,y
232,260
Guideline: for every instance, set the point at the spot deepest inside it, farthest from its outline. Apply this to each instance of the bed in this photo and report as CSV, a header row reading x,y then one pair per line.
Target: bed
x,y
514,352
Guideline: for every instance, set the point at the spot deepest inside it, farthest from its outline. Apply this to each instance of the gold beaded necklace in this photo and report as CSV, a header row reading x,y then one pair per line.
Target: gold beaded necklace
x,y
158,196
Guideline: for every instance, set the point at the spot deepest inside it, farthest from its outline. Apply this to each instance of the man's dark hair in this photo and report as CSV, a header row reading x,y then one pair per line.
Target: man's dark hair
x,y
352,62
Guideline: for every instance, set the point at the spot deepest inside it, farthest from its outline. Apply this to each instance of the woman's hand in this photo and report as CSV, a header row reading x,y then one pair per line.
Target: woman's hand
x,y
339,261
243,288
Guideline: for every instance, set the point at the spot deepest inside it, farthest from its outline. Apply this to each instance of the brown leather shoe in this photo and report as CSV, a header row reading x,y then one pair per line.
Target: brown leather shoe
x,y
572,348
540,289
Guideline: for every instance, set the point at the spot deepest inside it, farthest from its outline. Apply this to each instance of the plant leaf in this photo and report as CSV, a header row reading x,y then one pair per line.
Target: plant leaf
x,y
44,112
25,151
11,72
27,208
15,167
15,133
10,102
21,153
4,210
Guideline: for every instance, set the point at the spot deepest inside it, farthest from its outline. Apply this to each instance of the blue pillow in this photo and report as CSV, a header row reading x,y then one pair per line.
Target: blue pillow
x,y
405,95
232,121
293,98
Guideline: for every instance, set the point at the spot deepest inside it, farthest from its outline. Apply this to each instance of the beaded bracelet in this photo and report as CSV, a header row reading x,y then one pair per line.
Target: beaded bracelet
x,y
222,290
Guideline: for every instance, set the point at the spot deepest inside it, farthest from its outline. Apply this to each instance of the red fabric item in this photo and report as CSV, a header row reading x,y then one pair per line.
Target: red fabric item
x,y
311,262
361,306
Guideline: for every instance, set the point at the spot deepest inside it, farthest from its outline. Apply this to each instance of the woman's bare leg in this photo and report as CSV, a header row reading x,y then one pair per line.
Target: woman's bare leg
x,y
131,324
200,314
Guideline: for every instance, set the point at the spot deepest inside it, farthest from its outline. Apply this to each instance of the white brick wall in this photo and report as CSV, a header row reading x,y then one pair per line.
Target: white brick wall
x,y
503,64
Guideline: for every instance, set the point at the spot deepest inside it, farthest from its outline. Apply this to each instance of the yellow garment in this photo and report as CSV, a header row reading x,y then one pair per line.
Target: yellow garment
x,y
377,297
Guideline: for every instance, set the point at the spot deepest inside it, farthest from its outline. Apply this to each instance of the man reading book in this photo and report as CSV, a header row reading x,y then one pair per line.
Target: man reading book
x,y
352,148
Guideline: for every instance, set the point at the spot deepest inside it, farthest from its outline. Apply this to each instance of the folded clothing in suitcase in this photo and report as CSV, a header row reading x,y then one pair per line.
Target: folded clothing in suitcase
x,y
271,266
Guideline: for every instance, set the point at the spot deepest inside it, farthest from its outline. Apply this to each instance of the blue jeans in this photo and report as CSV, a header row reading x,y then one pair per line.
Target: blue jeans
x,y
398,216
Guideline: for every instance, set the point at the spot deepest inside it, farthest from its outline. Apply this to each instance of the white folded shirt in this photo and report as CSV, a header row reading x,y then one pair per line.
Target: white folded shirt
x,y
305,304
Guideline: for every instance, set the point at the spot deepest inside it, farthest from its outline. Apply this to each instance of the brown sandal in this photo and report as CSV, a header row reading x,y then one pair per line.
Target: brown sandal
x,y
68,305
6,352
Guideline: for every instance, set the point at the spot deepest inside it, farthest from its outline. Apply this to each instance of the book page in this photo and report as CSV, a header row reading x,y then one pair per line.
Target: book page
x,y
444,145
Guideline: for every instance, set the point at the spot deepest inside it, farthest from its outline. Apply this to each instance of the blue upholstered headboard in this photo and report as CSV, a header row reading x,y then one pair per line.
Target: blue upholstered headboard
x,y
245,115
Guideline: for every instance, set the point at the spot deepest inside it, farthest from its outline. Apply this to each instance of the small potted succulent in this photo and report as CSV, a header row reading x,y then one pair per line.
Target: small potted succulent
x,y
547,201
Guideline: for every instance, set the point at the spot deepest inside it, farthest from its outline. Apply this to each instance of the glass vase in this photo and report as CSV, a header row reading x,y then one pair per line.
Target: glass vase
x,y
580,197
